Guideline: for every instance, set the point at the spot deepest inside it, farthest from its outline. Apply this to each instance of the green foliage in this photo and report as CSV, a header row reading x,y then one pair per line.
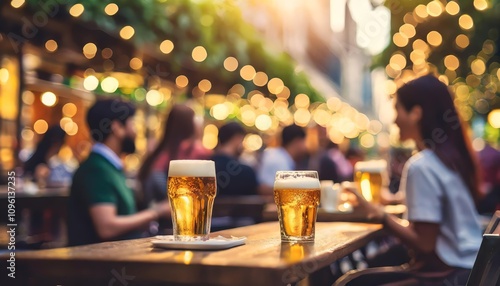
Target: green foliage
x,y
217,25
484,88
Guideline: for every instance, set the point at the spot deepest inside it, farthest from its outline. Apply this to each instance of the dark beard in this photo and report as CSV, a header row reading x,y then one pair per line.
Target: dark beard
x,y
128,145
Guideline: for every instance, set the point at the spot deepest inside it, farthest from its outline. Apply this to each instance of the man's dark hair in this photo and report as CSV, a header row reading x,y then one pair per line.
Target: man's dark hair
x,y
103,112
228,131
291,133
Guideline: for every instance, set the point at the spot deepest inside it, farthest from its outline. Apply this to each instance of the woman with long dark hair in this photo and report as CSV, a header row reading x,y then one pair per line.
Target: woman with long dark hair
x,y
440,181
48,146
180,141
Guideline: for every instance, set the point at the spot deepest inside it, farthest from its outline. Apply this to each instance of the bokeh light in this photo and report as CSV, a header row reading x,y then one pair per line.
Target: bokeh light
x,y
127,32
434,38
247,72
494,118
230,64
28,97
210,133
462,41
166,46
451,62
302,101
400,40
434,8
135,63
111,9
252,142
205,85
367,140
407,30
275,85
154,97
260,79
76,10
51,45
49,98
40,126
199,54
263,122
90,83
480,5
181,81
478,67
17,3
109,84
219,111
452,8
69,109
465,21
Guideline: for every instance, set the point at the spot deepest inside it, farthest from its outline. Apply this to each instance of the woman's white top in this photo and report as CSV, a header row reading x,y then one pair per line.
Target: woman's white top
x,y
436,194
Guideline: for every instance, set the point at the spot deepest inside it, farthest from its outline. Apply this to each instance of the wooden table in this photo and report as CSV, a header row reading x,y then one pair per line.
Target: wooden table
x,y
45,198
263,260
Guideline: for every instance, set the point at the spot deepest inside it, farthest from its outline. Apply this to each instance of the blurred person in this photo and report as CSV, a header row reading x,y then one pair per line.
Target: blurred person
x,y
42,166
284,158
398,158
354,155
333,165
180,140
101,206
441,184
45,169
489,159
233,177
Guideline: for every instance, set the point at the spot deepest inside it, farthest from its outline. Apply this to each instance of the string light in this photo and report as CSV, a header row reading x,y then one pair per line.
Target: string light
x,y
111,9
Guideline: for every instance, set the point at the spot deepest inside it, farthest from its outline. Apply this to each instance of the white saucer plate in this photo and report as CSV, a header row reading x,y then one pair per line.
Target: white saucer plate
x,y
214,243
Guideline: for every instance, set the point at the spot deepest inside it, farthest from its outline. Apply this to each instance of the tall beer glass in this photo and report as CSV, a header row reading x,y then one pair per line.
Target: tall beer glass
x,y
297,196
191,190
369,175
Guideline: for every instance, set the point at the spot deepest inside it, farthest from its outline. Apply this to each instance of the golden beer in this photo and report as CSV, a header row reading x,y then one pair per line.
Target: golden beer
x,y
297,200
369,176
191,191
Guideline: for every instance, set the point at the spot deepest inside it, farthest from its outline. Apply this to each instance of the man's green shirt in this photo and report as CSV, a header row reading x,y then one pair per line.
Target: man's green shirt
x,y
97,181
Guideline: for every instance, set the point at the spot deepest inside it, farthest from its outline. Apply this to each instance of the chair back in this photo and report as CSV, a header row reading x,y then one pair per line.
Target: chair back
x,y
486,269
494,225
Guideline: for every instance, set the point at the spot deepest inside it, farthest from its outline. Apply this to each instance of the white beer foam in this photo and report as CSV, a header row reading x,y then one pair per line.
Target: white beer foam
x,y
191,168
296,183
374,166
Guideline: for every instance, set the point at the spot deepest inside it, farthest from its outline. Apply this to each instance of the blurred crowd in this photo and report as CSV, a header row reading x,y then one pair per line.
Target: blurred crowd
x,y
102,206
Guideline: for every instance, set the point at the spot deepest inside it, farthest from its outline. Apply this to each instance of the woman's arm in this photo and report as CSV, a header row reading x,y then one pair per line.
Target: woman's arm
x,y
420,236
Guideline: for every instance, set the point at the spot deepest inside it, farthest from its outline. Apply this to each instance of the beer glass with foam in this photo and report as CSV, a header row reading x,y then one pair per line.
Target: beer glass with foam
x,y
370,176
297,196
191,191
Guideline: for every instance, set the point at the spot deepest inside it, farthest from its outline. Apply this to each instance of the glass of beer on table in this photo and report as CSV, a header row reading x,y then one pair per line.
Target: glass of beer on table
x,y
297,196
191,190
370,176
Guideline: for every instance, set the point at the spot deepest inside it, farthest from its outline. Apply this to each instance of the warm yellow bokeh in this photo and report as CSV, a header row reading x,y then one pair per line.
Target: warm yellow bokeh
x,y
127,32
76,10
400,40
51,45
465,21
166,46
199,54
111,9
434,38
231,64
452,8
181,81
248,72
462,41
451,62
